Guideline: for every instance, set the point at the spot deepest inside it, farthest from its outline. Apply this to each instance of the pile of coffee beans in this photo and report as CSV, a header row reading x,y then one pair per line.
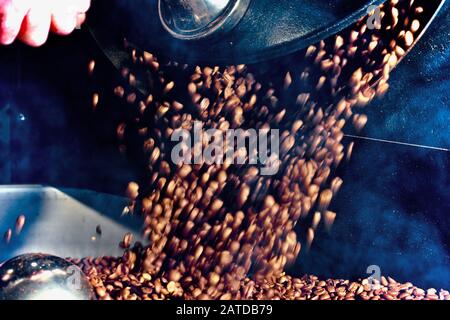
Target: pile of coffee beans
x,y
117,279
225,231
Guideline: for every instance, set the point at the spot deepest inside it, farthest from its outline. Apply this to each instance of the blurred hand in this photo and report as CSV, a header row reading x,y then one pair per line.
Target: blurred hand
x,y
32,20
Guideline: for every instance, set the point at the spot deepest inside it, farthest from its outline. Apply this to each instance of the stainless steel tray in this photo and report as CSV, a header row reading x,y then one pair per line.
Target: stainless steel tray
x,y
63,222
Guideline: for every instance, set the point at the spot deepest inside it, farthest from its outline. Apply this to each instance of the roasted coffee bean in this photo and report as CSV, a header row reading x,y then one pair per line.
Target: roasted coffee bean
x,y
7,236
20,223
126,241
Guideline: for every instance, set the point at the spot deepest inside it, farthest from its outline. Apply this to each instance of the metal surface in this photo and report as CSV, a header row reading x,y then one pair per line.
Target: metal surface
x,y
269,29
210,52
198,19
63,222
43,277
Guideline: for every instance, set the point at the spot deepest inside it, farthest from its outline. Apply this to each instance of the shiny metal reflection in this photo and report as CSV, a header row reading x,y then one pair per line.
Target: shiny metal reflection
x,y
43,277
197,19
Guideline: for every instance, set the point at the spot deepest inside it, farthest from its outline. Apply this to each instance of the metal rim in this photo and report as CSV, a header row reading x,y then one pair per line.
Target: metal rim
x,y
226,21
231,53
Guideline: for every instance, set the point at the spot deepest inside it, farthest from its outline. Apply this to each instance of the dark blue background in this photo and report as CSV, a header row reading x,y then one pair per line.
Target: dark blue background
x,y
393,210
